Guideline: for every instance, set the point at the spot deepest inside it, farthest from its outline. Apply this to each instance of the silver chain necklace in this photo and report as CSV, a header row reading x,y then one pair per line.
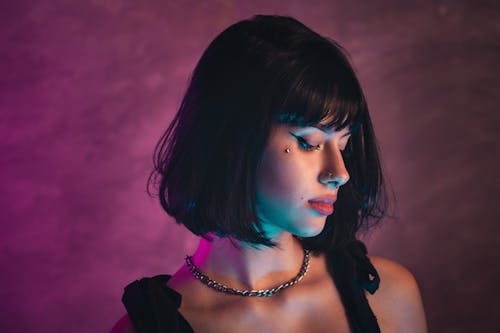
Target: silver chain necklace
x,y
258,293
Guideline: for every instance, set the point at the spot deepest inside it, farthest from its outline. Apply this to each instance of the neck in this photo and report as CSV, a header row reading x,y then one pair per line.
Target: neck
x,y
241,266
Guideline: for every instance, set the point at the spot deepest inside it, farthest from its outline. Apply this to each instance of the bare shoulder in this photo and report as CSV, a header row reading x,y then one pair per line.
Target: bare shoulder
x,y
123,325
395,278
397,302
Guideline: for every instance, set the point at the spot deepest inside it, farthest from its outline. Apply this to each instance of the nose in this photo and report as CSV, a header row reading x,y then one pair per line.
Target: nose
x,y
334,173
328,178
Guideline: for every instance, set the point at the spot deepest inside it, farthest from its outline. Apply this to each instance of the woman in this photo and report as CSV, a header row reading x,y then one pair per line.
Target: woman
x,y
272,159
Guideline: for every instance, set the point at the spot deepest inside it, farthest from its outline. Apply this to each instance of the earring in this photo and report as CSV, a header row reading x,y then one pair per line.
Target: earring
x,y
287,151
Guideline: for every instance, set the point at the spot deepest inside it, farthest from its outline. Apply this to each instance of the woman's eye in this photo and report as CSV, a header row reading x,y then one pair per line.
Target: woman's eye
x,y
306,145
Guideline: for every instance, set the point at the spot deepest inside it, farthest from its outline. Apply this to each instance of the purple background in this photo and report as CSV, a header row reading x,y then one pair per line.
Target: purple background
x,y
87,87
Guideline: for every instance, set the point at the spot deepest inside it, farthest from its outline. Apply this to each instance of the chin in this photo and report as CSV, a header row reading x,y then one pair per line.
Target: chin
x,y
313,229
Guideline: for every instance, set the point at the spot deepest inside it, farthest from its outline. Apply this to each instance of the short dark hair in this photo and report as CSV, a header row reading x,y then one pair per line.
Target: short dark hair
x,y
260,72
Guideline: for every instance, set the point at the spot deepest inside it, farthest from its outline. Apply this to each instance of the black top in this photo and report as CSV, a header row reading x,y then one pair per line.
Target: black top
x,y
153,307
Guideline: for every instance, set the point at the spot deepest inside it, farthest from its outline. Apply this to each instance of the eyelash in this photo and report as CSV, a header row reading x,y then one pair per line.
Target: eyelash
x,y
306,145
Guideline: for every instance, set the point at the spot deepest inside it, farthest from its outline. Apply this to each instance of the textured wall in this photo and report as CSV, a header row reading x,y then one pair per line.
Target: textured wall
x,y
87,87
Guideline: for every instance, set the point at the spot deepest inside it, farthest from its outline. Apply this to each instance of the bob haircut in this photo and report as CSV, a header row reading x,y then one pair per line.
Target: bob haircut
x,y
257,73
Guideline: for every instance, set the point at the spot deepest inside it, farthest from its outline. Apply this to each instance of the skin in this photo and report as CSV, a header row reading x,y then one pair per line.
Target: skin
x,y
286,181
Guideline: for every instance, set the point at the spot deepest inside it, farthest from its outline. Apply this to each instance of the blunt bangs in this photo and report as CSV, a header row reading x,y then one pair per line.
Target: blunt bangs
x,y
320,89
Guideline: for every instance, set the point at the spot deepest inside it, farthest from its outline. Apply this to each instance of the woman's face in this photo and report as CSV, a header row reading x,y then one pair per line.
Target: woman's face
x,y
296,188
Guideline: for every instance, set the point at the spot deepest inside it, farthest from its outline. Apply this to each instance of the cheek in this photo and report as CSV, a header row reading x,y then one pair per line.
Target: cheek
x,y
281,179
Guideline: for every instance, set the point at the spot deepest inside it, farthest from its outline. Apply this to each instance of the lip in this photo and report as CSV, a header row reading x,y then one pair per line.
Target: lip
x,y
323,205
329,199
322,208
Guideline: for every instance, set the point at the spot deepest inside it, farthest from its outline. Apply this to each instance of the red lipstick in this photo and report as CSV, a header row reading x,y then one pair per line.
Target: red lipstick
x,y
322,208
323,205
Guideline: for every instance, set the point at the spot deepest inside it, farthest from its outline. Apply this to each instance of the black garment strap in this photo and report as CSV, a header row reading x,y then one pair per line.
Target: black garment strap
x,y
153,308
353,273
